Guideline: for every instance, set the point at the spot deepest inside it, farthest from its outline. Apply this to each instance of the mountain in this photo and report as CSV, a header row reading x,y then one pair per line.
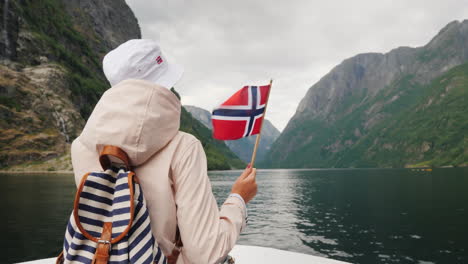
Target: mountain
x,y
51,77
218,154
400,109
201,115
243,147
50,73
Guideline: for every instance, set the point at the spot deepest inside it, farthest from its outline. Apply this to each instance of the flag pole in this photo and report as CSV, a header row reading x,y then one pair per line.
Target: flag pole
x,y
257,141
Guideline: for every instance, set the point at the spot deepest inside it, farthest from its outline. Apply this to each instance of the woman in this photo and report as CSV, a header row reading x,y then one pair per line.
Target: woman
x,y
141,115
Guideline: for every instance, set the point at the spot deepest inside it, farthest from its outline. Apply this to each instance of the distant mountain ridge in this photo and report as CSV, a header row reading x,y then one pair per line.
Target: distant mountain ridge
x,y
369,110
243,147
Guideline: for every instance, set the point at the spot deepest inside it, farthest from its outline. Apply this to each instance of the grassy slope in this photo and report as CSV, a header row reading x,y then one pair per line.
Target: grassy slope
x,y
426,125
430,131
58,40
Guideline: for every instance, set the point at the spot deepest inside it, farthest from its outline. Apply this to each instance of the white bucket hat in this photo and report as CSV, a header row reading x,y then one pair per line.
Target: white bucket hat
x,y
140,59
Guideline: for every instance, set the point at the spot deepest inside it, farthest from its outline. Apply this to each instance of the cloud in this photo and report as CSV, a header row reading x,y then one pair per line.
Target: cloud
x,y
224,45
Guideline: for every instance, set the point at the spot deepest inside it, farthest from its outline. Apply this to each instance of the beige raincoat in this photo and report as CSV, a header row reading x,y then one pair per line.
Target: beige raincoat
x,y
143,119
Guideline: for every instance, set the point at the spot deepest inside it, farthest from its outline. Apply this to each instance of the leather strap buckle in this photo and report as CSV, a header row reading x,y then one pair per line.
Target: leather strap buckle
x,y
105,242
103,249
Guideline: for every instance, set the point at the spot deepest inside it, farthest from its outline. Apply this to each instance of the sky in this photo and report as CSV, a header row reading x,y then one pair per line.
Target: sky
x,y
225,45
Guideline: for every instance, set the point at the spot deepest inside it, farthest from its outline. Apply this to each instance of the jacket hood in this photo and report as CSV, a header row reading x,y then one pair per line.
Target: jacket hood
x,y
138,116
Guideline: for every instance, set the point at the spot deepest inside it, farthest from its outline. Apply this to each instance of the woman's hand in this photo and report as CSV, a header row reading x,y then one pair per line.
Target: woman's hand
x,y
245,185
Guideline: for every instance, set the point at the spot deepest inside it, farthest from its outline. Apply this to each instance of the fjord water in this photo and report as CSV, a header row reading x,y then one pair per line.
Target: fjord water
x,y
355,215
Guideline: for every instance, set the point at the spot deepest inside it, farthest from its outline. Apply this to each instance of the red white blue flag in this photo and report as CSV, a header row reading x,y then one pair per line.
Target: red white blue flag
x,y
242,114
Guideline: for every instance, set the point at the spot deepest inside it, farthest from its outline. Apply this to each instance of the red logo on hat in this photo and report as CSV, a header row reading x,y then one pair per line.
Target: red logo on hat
x,y
159,60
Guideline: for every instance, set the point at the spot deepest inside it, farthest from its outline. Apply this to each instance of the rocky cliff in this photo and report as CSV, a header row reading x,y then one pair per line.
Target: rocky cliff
x,y
243,147
51,78
50,73
106,23
350,117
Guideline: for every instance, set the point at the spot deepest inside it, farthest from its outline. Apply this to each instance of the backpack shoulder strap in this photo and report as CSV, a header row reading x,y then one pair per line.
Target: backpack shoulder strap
x,y
110,153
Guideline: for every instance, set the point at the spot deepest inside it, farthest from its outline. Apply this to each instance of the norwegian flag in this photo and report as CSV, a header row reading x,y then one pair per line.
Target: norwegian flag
x,y
242,114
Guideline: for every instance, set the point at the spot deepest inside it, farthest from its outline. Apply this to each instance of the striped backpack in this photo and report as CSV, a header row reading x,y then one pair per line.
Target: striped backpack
x,y
110,222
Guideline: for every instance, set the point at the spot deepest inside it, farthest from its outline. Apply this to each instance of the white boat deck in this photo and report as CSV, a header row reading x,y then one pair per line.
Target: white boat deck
x,y
262,255
254,255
